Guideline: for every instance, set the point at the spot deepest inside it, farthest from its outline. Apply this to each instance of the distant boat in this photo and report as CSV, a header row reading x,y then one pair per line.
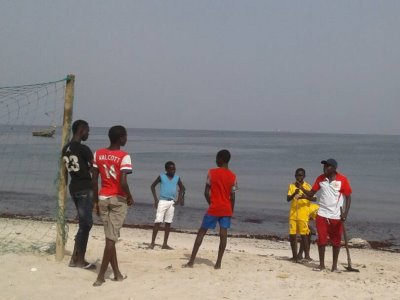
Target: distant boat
x,y
45,132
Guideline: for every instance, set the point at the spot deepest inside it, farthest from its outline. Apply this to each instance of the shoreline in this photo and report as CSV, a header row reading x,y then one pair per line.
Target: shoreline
x,y
383,245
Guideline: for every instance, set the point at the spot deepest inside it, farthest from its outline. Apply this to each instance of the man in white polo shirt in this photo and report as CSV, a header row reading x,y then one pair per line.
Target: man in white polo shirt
x,y
335,193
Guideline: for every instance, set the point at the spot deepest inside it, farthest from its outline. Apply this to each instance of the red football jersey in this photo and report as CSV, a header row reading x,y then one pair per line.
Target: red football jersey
x,y
111,163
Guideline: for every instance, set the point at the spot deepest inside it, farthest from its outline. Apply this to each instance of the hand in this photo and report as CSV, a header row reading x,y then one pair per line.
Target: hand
x,y
296,191
129,201
298,185
96,208
343,217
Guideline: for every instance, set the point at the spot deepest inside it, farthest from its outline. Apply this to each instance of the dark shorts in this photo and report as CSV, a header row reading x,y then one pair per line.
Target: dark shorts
x,y
210,222
331,228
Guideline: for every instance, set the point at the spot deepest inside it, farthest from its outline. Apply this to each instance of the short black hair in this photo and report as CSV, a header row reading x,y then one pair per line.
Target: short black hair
x,y
168,164
116,132
224,156
300,170
77,125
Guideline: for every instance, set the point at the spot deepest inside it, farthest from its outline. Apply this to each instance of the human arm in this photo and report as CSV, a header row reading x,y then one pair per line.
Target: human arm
x,y
153,190
65,174
343,214
290,197
207,193
207,189
233,198
125,187
309,193
95,187
181,192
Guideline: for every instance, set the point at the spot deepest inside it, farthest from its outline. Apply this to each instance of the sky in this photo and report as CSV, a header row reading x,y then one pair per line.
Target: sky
x,y
302,66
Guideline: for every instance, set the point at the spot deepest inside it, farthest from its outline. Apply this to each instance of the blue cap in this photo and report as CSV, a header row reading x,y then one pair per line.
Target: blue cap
x,y
332,162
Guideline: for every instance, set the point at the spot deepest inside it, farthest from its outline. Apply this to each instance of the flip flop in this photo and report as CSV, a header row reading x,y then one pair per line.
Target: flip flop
x,y
72,264
317,269
89,266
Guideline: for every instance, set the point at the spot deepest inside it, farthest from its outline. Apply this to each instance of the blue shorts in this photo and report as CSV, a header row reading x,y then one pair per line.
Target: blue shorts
x,y
210,222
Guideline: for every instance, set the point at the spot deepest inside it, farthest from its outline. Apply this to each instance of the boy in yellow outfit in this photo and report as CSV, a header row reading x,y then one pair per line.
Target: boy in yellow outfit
x,y
299,215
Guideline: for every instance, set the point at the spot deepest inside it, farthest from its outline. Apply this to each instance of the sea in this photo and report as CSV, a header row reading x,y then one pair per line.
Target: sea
x,y
264,162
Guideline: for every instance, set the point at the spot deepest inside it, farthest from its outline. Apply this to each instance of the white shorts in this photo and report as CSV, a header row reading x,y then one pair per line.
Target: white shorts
x,y
165,211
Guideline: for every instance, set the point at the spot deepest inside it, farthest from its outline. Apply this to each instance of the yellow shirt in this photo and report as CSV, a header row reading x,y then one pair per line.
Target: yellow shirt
x,y
299,206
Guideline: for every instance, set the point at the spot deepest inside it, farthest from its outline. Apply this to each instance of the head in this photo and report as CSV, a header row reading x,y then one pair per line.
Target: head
x,y
223,157
330,166
117,135
80,129
170,168
300,174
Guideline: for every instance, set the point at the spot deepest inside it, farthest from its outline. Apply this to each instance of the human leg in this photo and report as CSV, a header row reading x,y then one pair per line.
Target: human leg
x,y
156,227
209,222
197,243
293,245
322,229
293,238
114,265
304,232
112,212
107,255
84,204
306,246
166,235
223,236
335,234
169,216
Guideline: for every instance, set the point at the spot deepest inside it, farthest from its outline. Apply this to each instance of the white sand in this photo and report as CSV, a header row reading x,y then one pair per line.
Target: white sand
x,y
251,269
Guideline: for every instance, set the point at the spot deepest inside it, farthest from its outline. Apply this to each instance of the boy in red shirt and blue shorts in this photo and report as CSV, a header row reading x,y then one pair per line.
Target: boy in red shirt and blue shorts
x,y
219,192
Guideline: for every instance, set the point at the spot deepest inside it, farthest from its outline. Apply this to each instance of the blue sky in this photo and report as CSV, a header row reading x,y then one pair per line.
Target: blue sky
x,y
308,66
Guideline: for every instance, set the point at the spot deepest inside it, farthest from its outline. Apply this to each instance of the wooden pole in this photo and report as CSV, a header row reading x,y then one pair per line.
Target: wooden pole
x,y
62,187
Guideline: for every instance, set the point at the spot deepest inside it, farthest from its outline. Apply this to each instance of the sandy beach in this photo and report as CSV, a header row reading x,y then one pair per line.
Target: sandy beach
x,y
251,269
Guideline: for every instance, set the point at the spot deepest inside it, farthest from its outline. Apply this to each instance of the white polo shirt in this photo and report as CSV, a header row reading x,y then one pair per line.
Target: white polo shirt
x,y
332,195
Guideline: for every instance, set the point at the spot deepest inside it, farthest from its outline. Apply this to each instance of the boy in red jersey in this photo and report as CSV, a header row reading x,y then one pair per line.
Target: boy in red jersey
x,y
111,202
220,195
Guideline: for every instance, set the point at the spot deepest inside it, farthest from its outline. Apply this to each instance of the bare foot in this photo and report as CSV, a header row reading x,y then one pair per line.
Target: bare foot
x,y
151,246
98,282
167,247
120,277
187,265
217,266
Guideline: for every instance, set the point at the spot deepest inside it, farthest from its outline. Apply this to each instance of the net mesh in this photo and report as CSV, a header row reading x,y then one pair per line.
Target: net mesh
x,y
30,125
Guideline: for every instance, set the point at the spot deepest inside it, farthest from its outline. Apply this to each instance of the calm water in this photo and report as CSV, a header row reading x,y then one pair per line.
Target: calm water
x,y
263,161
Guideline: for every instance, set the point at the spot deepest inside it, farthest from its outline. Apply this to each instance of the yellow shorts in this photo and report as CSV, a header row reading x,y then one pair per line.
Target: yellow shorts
x,y
313,210
298,227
